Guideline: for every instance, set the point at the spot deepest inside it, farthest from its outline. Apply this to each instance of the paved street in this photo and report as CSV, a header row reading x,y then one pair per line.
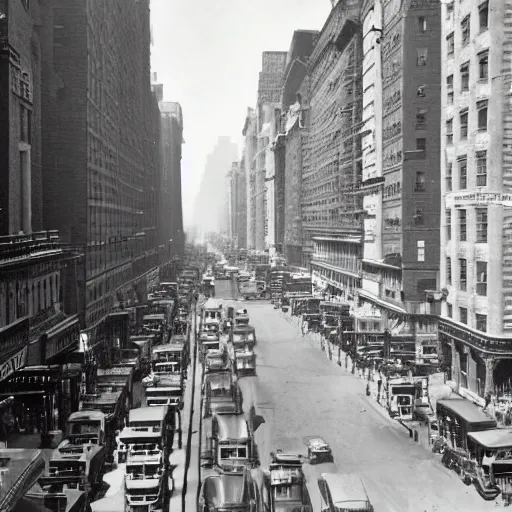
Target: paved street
x,y
300,393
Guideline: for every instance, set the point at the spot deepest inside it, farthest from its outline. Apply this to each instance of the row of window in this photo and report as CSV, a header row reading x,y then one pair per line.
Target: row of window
x,y
480,320
483,75
481,275
481,225
465,26
462,164
482,108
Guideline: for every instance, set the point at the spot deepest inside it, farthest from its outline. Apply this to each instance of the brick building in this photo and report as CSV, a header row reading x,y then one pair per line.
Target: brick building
x,y
401,99
39,326
101,160
288,149
476,169
331,162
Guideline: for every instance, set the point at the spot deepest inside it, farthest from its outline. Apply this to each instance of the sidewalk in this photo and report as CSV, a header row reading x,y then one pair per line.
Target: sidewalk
x,y
178,457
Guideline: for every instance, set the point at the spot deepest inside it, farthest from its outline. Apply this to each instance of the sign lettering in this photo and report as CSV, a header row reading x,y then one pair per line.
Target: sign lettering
x,y
461,200
13,364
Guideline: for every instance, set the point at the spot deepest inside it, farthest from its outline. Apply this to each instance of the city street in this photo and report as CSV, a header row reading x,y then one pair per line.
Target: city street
x,y
300,393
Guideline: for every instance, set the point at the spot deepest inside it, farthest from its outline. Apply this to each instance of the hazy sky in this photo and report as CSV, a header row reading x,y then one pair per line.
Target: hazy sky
x,y
207,53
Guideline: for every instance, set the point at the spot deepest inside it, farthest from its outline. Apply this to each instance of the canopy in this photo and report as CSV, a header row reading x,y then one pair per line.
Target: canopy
x,y
492,439
468,412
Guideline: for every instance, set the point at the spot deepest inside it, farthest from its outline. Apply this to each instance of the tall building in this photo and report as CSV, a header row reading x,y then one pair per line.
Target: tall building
x,y
400,173
211,209
288,149
171,202
332,213
476,167
268,124
237,204
101,161
39,326
250,148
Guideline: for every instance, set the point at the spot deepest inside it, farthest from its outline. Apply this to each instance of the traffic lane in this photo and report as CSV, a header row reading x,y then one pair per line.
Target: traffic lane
x,y
300,393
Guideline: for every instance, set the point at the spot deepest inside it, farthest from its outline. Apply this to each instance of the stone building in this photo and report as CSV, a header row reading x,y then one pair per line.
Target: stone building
x,y
401,180
331,162
237,205
249,152
101,160
39,326
476,167
288,149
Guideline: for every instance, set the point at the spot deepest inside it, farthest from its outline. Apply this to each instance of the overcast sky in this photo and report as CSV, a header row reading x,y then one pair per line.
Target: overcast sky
x,y
207,53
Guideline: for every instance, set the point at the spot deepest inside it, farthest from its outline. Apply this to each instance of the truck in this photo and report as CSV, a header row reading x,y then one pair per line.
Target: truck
x,y
254,289
297,286
287,484
79,460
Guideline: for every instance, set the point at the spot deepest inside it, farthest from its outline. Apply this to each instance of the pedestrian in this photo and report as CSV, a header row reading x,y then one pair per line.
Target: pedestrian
x,y
379,387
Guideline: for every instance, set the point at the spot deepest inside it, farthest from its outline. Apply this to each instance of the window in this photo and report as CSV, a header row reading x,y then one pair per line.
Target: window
x,y
448,270
481,225
419,186
464,77
463,119
463,315
482,115
463,173
481,278
448,224
481,169
462,226
448,176
422,57
421,119
421,144
483,66
449,88
420,91
421,250
449,132
450,310
450,46
465,30
422,24
483,16
418,216
481,322
463,277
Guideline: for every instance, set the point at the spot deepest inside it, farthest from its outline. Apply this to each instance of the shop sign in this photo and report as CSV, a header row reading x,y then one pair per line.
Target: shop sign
x,y
464,199
13,364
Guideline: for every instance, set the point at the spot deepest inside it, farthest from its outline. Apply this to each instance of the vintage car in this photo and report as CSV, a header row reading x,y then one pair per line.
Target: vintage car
x,y
319,451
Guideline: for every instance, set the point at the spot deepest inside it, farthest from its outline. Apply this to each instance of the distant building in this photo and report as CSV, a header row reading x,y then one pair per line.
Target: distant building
x,y
476,179
250,148
237,204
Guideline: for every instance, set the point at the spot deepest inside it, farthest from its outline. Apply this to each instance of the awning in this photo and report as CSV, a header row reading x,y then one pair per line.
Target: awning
x,y
379,302
334,239
63,338
339,270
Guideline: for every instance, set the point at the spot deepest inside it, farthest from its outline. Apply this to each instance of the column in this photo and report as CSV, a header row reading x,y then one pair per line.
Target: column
x,y
455,364
490,365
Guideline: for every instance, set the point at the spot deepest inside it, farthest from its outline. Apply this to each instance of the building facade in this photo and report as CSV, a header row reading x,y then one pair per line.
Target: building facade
x,y
172,234
267,120
100,165
331,162
401,177
237,205
39,326
476,166
288,149
250,148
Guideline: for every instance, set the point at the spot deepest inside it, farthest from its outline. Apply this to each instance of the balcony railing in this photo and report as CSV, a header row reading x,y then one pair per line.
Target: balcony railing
x,y
14,247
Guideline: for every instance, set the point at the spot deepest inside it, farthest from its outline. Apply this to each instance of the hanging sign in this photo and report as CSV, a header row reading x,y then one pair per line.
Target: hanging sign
x,y
464,199
13,364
